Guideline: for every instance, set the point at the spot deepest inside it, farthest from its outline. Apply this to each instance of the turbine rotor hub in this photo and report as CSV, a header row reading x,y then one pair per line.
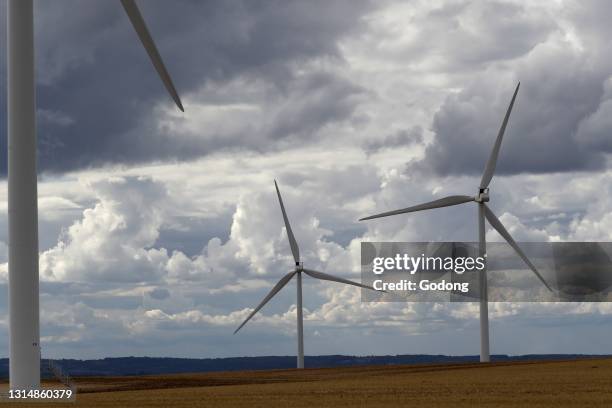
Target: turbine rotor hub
x,y
299,266
482,196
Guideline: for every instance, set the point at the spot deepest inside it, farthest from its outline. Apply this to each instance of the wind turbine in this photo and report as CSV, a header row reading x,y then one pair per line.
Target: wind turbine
x,y
24,329
299,269
483,212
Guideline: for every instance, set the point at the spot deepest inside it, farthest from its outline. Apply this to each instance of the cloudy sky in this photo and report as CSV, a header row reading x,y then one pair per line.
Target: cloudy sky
x,y
160,230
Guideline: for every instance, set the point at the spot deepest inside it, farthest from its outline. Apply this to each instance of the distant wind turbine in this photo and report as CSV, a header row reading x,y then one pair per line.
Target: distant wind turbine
x,y
483,212
299,269
24,309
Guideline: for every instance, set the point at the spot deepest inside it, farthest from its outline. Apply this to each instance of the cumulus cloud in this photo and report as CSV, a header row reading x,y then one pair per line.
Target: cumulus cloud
x,y
518,230
113,239
214,290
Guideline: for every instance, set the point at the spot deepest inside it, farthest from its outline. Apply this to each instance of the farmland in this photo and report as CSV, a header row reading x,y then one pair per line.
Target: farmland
x,y
586,382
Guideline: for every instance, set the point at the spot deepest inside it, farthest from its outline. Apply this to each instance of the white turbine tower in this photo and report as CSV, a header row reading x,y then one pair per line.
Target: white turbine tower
x,y
299,269
483,212
24,331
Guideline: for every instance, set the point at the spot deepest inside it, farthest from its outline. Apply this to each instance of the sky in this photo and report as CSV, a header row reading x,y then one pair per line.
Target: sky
x,y
160,230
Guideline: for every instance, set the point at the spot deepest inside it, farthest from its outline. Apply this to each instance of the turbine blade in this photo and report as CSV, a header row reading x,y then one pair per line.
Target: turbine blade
x,y
443,202
147,41
487,175
325,276
496,223
295,250
279,285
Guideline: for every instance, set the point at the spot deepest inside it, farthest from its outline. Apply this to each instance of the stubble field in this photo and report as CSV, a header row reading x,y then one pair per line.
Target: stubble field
x,y
579,383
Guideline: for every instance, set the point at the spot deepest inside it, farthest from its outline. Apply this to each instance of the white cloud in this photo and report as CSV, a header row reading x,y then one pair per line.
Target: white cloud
x,y
112,241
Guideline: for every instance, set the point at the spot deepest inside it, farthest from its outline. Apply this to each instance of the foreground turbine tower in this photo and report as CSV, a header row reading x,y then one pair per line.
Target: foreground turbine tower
x,y
24,332
299,269
484,212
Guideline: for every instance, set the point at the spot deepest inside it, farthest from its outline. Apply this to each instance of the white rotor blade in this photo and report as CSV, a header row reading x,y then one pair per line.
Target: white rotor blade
x,y
443,202
279,285
487,175
324,276
496,223
295,250
147,41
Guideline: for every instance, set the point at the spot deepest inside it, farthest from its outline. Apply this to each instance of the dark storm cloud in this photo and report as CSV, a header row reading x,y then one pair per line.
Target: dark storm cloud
x,y
274,119
159,293
560,121
596,130
97,88
557,93
319,99
399,138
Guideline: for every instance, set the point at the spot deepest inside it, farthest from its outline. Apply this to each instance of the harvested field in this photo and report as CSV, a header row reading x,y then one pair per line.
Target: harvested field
x,y
578,383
